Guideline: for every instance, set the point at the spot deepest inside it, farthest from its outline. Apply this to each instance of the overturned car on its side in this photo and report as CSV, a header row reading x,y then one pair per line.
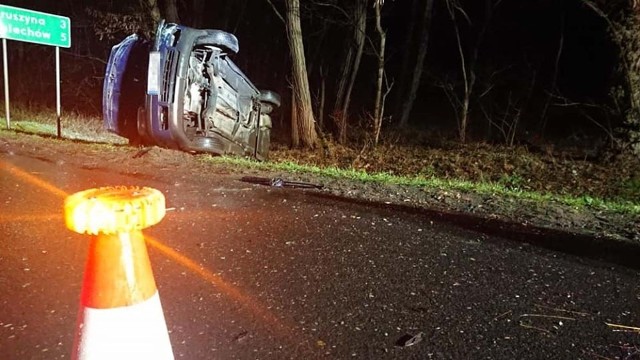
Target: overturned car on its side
x,y
182,91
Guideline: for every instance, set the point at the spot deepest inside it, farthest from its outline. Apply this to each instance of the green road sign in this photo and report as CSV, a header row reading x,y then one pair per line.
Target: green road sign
x,y
34,26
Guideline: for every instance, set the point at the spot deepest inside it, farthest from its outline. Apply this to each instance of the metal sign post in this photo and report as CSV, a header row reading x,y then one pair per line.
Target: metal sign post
x,y
58,110
6,81
35,27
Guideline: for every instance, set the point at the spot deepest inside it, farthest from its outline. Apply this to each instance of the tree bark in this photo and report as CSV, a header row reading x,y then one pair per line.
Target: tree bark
x,y
152,8
321,102
554,79
350,69
171,11
467,66
407,105
303,123
240,16
623,19
227,12
198,13
407,55
378,111
627,33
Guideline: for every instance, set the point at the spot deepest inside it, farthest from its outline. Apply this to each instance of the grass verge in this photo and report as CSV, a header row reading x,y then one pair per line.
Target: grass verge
x,y
89,129
481,188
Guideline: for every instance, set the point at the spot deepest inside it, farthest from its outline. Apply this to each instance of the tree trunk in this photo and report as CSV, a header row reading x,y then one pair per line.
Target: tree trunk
x,y
464,117
240,16
295,133
417,70
467,66
321,102
227,12
379,104
152,8
303,123
171,11
627,35
350,68
407,54
462,113
623,19
554,79
345,69
198,14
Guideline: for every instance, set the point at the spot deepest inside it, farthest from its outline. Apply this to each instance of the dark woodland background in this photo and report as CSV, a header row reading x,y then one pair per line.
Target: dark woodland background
x,y
552,69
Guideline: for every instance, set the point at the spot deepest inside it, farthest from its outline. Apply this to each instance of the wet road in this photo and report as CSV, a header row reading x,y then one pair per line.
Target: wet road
x,y
250,272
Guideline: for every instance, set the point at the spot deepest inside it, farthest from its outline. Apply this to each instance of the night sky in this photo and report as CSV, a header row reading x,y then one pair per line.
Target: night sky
x,y
518,53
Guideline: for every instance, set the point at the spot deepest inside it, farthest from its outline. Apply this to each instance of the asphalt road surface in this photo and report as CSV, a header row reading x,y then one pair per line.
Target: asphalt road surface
x,y
252,272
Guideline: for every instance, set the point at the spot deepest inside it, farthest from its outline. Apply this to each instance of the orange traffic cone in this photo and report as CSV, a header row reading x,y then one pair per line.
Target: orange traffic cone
x,y
120,312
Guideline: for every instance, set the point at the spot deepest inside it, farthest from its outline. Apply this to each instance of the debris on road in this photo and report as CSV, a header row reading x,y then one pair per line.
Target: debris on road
x,y
142,152
279,182
410,340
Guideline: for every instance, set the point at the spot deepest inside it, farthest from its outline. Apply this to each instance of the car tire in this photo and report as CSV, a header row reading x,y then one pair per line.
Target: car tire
x,y
209,145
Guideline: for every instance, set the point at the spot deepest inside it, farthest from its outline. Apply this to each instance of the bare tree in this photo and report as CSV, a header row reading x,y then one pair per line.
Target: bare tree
x,y
349,69
240,16
467,62
378,111
461,106
407,104
151,7
554,78
229,10
407,55
623,19
506,117
171,11
319,62
302,123
321,99
197,13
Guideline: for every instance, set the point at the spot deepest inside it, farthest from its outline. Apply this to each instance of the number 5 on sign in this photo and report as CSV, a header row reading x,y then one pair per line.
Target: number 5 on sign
x,y
63,34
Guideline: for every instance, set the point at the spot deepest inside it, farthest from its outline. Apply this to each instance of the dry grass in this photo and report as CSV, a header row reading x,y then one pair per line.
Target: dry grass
x,y
516,168
411,155
74,126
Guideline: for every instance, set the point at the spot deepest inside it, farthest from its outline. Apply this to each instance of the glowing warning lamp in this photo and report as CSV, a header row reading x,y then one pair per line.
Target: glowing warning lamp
x,y
120,313
113,210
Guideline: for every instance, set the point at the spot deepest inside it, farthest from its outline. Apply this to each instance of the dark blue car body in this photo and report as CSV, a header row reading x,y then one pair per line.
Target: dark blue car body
x,y
182,91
